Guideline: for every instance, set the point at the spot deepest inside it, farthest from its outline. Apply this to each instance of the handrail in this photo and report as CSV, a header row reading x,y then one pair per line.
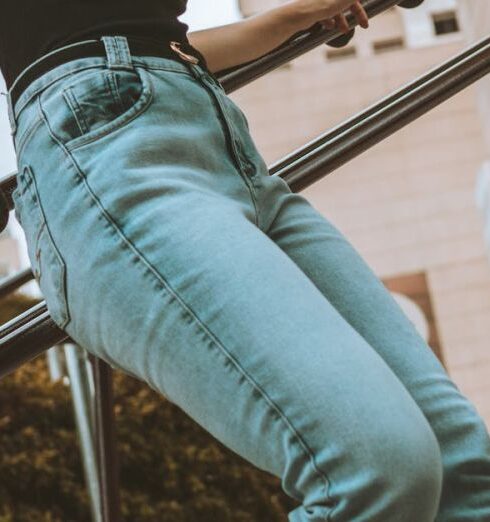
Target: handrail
x,y
28,341
20,320
298,44
345,142
377,106
11,283
313,161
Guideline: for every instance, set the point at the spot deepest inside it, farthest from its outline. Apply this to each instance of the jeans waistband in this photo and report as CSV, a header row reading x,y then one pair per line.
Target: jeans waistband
x,y
117,55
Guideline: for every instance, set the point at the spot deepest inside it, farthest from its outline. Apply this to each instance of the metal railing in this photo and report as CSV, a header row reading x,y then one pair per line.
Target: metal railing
x,y
33,332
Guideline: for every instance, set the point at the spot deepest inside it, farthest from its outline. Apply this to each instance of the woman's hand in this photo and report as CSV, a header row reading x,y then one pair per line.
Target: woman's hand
x,y
240,42
331,13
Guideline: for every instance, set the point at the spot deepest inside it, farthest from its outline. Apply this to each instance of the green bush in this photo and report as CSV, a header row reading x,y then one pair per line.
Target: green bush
x,y
171,469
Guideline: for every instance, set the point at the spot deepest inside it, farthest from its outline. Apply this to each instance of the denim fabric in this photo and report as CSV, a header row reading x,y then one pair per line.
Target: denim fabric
x,y
162,245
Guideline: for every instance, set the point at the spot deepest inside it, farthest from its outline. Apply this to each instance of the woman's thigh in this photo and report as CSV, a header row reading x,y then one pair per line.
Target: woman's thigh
x,y
212,314
349,284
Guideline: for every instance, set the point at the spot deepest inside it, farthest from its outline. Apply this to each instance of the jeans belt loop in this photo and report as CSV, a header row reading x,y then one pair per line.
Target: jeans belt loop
x,y
118,52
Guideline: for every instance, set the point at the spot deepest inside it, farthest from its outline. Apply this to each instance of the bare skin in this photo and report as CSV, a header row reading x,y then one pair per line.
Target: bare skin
x,y
239,42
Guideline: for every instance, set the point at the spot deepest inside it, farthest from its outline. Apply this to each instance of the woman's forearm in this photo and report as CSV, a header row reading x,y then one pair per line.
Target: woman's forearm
x,y
240,42
232,44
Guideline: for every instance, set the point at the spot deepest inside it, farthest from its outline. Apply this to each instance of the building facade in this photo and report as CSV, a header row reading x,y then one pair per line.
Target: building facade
x,y
407,205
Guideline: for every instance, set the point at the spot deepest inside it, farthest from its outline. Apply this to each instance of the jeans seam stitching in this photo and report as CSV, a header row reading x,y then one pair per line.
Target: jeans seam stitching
x,y
140,63
73,104
281,207
117,51
45,229
27,136
236,155
113,86
165,285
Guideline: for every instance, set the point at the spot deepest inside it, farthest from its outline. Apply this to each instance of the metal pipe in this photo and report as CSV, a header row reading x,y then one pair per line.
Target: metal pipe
x,y
299,43
23,318
28,341
89,372
388,100
55,367
106,442
13,282
323,155
77,373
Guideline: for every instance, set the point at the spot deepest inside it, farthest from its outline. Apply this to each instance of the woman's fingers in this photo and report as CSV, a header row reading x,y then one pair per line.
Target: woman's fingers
x,y
341,22
360,13
329,23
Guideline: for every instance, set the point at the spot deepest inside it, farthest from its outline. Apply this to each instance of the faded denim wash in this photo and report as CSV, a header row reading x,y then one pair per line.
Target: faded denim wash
x,y
162,245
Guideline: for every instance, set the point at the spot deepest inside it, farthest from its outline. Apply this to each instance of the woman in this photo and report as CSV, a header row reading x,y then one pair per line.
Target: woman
x,y
162,245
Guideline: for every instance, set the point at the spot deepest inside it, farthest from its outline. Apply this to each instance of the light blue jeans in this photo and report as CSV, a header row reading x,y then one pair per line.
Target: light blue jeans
x,y
162,245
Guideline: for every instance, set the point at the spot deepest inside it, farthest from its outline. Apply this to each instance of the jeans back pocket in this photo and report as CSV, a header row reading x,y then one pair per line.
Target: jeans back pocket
x,y
47,264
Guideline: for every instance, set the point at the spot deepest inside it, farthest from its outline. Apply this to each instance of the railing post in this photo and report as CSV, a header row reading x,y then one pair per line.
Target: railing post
x,y
106,442
82,406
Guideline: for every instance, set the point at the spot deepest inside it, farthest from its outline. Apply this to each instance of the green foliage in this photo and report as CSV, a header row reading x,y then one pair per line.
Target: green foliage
x,y
172,470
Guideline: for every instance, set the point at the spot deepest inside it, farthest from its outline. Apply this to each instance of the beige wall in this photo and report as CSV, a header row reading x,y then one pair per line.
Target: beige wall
x,y
407,205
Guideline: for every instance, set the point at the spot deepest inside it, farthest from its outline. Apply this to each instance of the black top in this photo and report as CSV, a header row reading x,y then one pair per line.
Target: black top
x,y
32,28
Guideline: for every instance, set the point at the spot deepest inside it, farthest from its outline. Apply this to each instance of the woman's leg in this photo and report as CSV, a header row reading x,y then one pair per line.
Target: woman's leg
x,y
321,251
204,307
216,317
151,258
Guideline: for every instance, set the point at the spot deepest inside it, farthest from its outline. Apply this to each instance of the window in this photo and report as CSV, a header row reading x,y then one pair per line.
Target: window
x,y
446,22
340,54
392,44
